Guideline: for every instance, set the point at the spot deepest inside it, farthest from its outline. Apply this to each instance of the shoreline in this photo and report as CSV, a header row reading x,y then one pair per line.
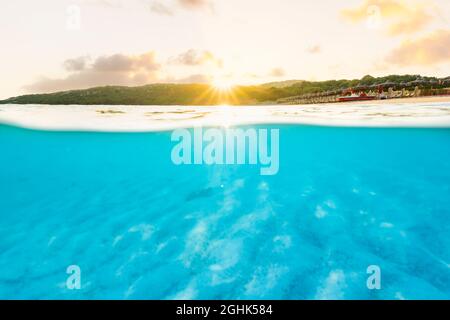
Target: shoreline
x,y
433,112
427,99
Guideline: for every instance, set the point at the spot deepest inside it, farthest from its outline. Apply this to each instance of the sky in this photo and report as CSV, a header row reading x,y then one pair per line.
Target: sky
x,y
54,45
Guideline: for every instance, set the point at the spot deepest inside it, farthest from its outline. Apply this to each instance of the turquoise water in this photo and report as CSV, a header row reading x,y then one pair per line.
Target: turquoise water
x,y
140,227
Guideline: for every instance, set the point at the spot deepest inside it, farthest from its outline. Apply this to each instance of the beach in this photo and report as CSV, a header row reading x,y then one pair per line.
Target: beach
x,y
409,100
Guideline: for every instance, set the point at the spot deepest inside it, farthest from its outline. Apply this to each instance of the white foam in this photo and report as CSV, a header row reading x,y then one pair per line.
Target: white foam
x,y
160,118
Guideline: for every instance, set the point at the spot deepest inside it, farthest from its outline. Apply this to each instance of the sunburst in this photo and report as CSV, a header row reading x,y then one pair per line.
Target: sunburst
x,y
223,84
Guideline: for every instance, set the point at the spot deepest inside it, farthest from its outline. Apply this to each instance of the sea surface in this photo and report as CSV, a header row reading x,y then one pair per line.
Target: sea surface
x,y
140,227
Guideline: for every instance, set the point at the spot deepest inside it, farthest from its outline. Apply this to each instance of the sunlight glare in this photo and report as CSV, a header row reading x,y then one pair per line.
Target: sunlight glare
x,y
222,84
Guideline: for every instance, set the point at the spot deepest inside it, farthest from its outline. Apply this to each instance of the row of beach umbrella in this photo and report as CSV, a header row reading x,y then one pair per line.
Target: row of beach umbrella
x,y
384,85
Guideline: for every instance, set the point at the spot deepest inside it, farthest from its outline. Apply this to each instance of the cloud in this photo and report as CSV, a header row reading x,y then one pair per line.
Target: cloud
x,y
195,78
170,8
123,63
124,70
314,49
428,50
106,3
194,4
277,72
416,21
399,16
117,69
160,8
196,58
76,64
163,7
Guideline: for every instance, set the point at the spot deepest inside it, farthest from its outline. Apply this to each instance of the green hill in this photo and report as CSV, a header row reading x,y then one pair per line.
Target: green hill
x,y
201,94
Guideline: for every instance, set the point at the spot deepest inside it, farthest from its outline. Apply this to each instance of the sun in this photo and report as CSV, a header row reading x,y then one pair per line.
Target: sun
x,y
222,84
223,91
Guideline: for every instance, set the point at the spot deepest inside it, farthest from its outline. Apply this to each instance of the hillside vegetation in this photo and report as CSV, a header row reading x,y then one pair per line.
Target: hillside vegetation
x,y
200,94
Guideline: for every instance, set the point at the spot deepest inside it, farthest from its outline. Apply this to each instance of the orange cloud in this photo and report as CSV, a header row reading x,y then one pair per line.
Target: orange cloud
x,y
194,4
169,9
429,50
399,16
314,49
277,72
